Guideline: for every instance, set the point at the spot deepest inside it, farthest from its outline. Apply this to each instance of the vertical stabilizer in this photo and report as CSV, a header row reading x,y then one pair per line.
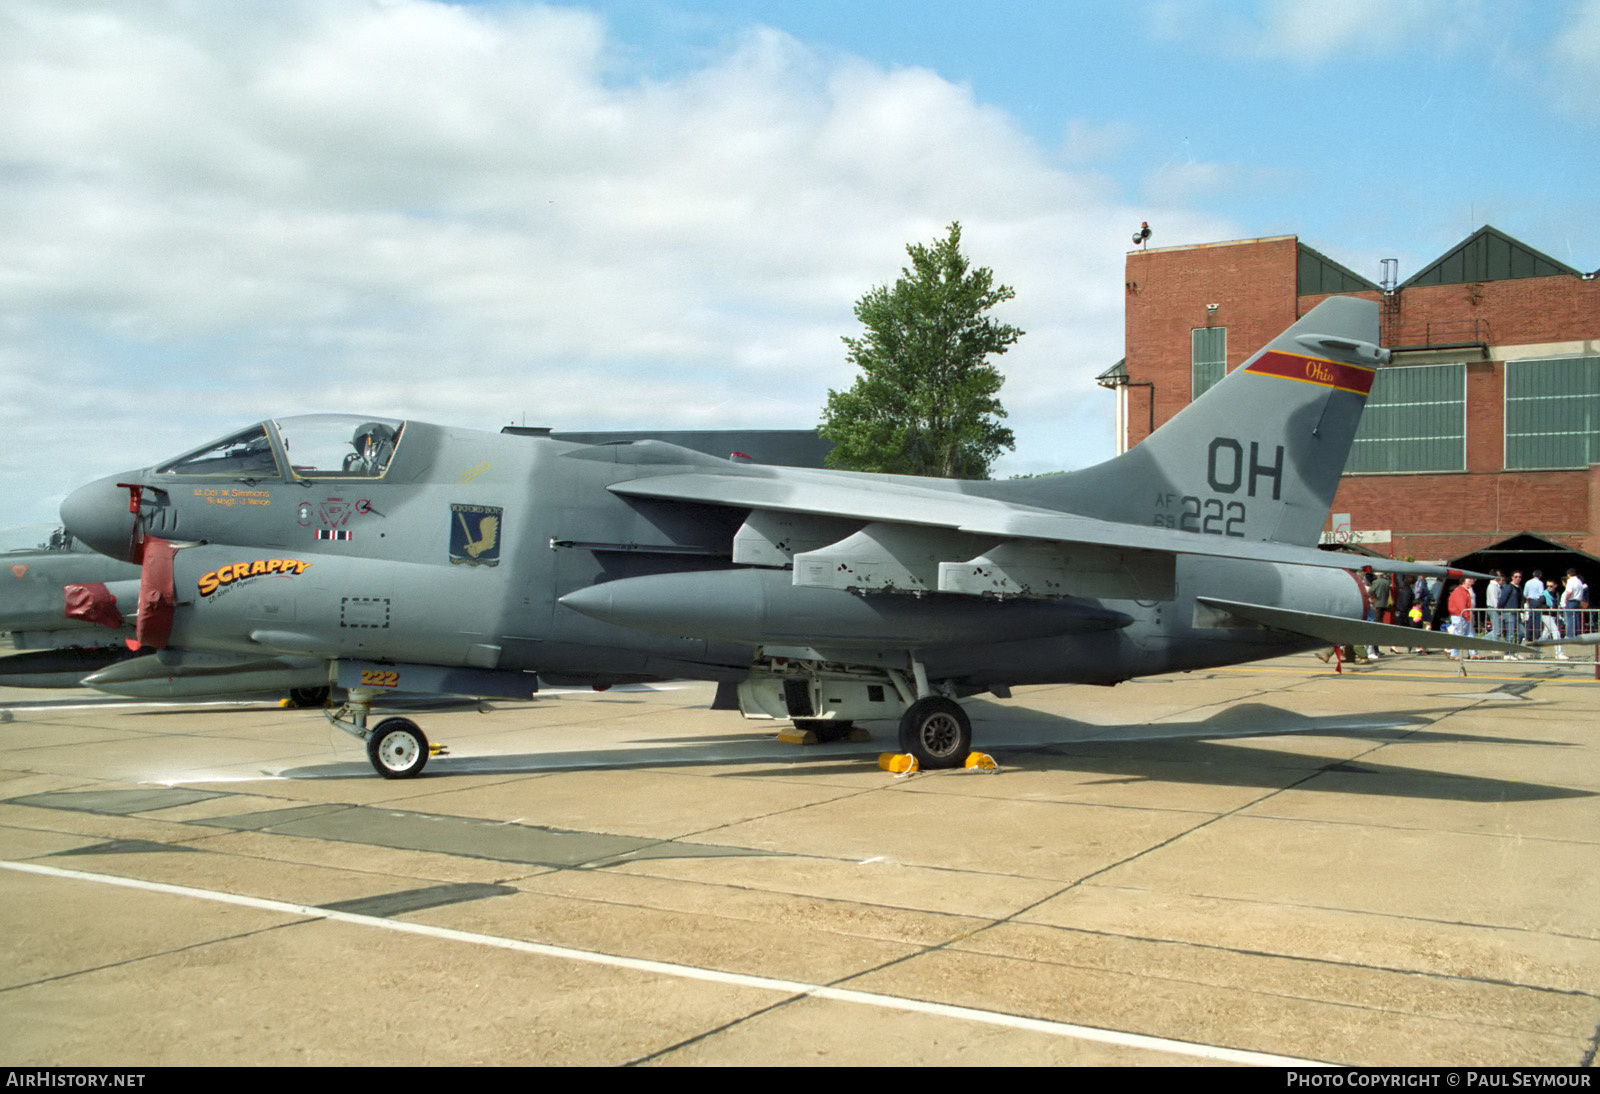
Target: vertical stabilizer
x,y
1259,455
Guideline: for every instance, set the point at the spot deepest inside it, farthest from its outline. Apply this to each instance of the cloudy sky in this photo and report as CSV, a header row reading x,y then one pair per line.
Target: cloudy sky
x,y
659,213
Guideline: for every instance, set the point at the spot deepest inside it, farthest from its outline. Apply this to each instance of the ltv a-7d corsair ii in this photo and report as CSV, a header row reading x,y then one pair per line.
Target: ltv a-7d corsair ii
x,y
384,555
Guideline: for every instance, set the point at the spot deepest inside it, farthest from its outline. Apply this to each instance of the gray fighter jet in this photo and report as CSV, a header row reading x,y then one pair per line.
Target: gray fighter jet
x,y
384,555
50,587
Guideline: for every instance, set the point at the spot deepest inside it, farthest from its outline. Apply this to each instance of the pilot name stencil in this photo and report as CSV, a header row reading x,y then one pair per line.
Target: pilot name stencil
x,y
475,535
214,496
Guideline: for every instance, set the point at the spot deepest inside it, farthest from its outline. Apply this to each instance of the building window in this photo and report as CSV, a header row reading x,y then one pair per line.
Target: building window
x,y
1415,420
1209,354
1552,413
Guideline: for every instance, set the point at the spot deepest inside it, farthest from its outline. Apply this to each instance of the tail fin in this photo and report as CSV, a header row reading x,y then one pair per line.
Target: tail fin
x,y
1259,455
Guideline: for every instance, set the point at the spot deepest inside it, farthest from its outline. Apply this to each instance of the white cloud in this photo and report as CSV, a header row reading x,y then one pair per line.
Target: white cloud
x,y
1457,68
1315,31
1087,142
1574,62
1182,182
215,213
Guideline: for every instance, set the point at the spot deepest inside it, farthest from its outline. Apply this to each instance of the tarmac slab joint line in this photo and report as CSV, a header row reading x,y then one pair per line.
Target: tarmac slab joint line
x,y
691,972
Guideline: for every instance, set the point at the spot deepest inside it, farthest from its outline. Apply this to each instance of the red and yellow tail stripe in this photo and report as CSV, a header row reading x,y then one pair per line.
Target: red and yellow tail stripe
x,y
1314,370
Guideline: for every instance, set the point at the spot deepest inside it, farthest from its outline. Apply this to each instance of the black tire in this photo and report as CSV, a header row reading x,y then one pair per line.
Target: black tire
x,y
826,729
398,749
937,732
308,697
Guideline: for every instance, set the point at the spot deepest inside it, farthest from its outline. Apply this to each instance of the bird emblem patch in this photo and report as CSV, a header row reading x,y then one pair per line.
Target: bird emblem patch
x,y
475,535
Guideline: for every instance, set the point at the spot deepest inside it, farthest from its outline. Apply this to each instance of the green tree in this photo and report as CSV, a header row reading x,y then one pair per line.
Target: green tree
x,y
925,402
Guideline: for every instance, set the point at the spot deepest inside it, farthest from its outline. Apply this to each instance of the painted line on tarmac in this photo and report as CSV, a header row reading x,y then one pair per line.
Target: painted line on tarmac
x,y
1416,675
691,972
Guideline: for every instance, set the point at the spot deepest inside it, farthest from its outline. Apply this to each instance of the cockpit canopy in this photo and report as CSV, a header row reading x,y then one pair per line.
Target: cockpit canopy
x,y
308,446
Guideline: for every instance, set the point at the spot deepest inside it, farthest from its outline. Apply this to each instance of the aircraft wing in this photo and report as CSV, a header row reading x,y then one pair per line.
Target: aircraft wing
x,y
1338,631
906,523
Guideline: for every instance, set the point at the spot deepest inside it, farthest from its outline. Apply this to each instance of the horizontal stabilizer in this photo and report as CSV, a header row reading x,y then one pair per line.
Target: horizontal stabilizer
x,y
1590,639
1338,631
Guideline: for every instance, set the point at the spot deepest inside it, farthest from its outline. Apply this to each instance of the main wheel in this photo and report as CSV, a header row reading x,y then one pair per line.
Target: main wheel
x,y
308,697
826,729
937,732
397,748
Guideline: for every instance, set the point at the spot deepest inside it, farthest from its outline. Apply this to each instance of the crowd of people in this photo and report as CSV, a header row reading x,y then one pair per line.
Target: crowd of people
x,y
1511,609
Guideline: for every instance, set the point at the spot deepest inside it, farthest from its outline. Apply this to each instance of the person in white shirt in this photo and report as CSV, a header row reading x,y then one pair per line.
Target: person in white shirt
x,y
1573,595
1533,600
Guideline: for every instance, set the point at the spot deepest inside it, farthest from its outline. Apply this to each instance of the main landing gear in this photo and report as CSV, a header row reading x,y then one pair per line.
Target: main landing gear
x,y
308,697
396,747
937,732
933,726
827,730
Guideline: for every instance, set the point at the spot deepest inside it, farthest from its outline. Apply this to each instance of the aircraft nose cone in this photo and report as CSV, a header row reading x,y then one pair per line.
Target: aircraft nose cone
x,y
97,514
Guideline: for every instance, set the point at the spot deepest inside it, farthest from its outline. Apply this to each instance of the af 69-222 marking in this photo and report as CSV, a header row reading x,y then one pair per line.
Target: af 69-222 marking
x,y
1206,515
1226,472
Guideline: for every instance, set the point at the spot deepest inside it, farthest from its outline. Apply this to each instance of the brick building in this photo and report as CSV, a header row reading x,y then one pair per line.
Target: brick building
x,y
1480,442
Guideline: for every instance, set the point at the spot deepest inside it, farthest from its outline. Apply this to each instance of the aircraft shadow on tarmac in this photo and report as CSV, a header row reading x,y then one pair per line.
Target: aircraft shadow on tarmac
x,y
1203,752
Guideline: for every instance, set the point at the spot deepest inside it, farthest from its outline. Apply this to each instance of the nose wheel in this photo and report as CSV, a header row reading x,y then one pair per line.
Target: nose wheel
x,y
398,748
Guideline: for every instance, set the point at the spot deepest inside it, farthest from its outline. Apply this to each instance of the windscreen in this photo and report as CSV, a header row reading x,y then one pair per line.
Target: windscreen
x,y
244,455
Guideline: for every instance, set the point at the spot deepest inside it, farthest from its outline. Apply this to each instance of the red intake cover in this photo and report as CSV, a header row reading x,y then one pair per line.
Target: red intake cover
x,y
93,603
156,595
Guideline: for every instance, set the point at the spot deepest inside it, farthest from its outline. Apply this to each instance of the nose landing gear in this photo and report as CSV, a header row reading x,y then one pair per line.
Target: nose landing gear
x,y
396,747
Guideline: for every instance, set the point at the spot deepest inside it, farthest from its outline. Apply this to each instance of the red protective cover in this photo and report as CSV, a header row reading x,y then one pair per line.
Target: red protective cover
x,y
92,603
156,596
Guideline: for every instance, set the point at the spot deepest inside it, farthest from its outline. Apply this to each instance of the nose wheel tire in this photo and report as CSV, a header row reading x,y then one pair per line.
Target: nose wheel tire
x,y
937,732
398,748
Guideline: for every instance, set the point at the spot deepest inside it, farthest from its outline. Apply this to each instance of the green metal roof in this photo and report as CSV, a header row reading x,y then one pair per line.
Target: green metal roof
x,y
1488,255
1316,273
1114,376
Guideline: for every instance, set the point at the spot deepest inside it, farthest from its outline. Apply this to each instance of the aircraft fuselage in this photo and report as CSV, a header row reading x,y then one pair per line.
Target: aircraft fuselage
x,y
461,553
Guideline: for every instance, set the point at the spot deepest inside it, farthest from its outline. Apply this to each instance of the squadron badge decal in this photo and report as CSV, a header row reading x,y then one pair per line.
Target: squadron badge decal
x,y
475,535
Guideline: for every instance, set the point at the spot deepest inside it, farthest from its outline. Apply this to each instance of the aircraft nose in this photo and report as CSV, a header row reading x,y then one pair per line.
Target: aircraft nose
x,y
97,514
